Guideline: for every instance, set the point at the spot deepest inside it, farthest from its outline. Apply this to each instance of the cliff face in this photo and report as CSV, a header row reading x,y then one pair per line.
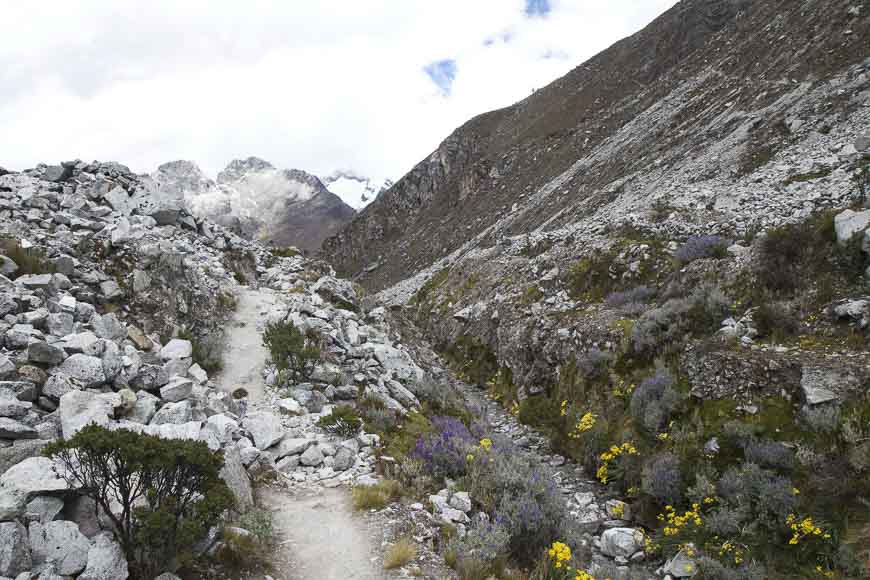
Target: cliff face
x,y
708,92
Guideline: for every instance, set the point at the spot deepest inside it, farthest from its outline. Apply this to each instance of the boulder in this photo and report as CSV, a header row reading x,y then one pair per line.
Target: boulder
x,y
461,501
264,427
681,565
344,459
44,353
84,370
144,408
7,368
234,475
57,386
59,543
14,549
80,408
110,290
11,407
83,343
12,429
292,446
138,337
173,414
176,349
291,406
43,508
60,323
339,292
24,390
178,389
109,327
7,266
822,385
849,223
621,542
20,450
312,457
33,476
106,560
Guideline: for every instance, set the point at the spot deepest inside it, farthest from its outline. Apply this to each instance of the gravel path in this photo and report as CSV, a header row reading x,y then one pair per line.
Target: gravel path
x,y
318,537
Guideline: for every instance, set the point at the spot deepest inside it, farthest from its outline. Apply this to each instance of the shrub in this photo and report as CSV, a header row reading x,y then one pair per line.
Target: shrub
x,y
521,497
400,554
760,496
290,349
343,421
667,326
769,454
653,402
484,544
711,569
701,247
259,523
208,351
376,497
443,453
594,277
776,321
593,364
630,300
662,480
169,491
288,252
822,418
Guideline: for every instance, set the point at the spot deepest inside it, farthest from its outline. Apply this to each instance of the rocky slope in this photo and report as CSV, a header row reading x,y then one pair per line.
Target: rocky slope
x,y
108,292
679,114
258,201
683,215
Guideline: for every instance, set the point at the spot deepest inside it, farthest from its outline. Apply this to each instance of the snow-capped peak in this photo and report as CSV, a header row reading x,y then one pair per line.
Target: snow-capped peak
x,y
354,189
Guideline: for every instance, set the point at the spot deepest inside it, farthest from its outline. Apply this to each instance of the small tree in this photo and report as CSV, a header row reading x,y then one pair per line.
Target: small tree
x,y
290,349
161,495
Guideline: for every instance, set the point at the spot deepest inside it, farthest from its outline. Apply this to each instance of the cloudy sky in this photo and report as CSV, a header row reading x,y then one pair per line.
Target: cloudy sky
x,y
369,85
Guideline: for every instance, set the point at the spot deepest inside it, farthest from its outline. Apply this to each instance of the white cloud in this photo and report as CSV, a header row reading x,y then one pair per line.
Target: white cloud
x,y
312,85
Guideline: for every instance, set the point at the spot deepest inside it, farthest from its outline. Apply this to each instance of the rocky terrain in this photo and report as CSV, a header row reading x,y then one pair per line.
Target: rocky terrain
x,y
254,199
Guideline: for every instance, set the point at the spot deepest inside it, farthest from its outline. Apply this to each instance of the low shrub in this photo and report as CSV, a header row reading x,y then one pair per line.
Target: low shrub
x,y
776,321
444,451
290,349
666,327
288,252
399,554
702,247
769,454
594,277
342,421
633,300
593,364
482,548
662,480
653,403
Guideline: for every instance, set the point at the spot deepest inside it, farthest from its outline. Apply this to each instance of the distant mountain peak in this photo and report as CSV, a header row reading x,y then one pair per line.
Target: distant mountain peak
x,y
238,168
355,189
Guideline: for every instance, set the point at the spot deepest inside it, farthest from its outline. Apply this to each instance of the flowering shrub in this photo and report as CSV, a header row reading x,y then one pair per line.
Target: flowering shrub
x,y
700,247
586,423
654,401
662,480
444,452
612,454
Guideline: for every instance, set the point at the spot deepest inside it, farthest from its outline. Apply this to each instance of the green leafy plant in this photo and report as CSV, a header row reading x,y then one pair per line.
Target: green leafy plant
x,y
343,421
291,350
161,495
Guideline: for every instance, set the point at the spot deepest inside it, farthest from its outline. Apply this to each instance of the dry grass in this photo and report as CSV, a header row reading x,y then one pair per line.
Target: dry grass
x,y
400,554
367,497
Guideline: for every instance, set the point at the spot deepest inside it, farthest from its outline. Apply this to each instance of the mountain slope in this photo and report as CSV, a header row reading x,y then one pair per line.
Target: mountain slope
x,y
355,190
251,197
679,102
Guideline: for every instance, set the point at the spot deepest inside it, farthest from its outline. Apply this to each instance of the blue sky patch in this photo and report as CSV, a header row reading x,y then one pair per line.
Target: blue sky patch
x,y
537,8
442,73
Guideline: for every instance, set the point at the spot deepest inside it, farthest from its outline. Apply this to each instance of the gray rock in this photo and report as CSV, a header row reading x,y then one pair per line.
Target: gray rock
x,y
291,406
29,478
44,353
14,549
109,327
35,281
23,390
264,427
12,429
173,414
85,370
60,323
339,292
57,386
234,475
59,543
83,343
20,450
176,349
292,446
138,337
821,385
344,459
106,560
198,374
111,290
43,508
681,565
312,457
80,408
461,501
144,408
7,266
7,368
848,223
178,389
621,542
11,407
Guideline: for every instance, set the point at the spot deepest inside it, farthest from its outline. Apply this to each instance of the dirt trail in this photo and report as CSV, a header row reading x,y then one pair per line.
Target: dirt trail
x,y
317,535
245,355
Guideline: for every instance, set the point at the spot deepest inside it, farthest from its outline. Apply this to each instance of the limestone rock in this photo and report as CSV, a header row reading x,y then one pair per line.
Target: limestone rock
x,y
621,542
80,408
14,549
236,478
264,427
59,543
85,370
106,560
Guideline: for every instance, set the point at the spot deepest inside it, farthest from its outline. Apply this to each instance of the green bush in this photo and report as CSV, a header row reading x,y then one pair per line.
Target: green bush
x,y
169,491
291,350
208,351
343,421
